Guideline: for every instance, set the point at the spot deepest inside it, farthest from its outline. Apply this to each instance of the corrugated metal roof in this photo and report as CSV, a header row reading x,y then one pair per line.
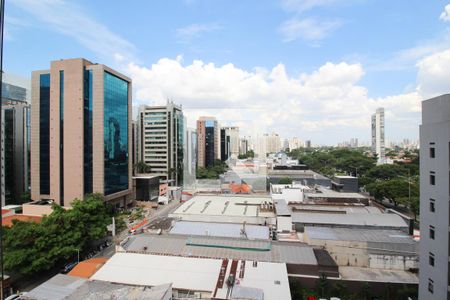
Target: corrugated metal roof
x,y
220,230
377,220
295,253
282,208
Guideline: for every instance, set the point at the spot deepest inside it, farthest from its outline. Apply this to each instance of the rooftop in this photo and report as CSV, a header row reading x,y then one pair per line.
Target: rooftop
x,y
8,221
220,230
73,288
210,247
377,275
199,274
327,193
87,268
356,219
342,208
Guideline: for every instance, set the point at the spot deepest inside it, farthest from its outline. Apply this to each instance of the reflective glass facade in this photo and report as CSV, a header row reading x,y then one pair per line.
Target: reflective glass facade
x,y
61,136
115,133
87,106
44,133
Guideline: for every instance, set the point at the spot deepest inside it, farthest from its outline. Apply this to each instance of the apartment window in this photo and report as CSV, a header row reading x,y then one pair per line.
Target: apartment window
x,y
432,205
431,259
432,179
431,232
430,285
432,152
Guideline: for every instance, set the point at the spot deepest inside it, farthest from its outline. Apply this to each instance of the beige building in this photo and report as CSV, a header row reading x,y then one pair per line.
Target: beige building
x,y
80,133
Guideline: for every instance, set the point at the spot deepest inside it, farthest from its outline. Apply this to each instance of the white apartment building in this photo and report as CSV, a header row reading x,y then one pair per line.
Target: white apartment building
x,y
378,147
434,199
233,133
160,140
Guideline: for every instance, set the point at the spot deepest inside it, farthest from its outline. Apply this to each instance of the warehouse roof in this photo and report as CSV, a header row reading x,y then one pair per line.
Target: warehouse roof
x,y
376,220
377,275
341,208
220,230
224,206
282,208
327,193
198,274
71,288
295,253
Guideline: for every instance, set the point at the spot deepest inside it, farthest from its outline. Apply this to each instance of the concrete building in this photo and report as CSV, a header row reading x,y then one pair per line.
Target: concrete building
x,y
434,195
243,146
81,133
273,142
233,133
208,141
378,146
15,139
190,158
161,132
295,143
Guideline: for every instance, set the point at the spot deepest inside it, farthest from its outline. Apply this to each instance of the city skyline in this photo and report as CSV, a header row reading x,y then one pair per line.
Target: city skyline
x,y
308,81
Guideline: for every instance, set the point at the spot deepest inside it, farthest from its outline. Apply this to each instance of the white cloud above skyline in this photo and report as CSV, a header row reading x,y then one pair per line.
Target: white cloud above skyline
x,y
188,33
304,5
308,29
445,15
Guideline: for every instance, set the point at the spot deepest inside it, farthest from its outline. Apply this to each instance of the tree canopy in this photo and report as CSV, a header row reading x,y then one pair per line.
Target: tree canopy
x,y
33,247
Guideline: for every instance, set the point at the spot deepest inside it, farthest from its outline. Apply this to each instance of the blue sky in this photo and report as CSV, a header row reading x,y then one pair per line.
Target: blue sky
x,y
315,69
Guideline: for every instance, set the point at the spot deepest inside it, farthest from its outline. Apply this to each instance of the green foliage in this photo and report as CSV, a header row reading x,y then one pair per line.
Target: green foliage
x,y
249,154
25,197
34,247
212,172
395,190
285,180
141,167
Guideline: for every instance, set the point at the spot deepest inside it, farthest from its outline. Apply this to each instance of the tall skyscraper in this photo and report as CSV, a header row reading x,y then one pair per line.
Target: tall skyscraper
x,y
233,133
160,140
378,147
208,141
81,133
224,144
273,143
243,146
15,142
434,272
190,158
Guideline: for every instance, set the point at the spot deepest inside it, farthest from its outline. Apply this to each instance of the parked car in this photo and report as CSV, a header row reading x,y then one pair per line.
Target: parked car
x,y
67,268
15,296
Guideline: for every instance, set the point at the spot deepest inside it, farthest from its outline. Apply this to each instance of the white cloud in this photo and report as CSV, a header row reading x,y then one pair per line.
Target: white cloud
x,y
259,100
188,33
304,5
445,15
309,29
433,76
70,19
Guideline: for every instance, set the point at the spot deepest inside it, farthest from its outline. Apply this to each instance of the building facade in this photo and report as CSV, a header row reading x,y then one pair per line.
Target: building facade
x,y
225,153
160,140
81,133
208,141
434,199
378,146
233,133
190,158
15,142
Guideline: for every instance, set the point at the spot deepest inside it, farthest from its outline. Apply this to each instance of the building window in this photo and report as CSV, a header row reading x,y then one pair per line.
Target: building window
x,y
432,152
432,179
44,133
430,285
431,259
432,207
432,232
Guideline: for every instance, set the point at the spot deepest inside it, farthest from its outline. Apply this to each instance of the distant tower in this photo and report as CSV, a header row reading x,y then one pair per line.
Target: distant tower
x,y
378,147
208,141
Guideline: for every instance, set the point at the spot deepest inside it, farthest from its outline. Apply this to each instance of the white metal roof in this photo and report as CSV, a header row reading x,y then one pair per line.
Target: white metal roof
x,y
357,219
198,274
220,230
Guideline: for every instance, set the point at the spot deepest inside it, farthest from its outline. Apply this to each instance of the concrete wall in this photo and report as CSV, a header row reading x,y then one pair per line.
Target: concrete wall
x,y
36,210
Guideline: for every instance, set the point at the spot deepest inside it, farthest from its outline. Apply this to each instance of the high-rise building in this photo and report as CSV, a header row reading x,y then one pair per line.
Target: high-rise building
x,y
81,133
434,272
208,141
15,142
273,143
224,145
190,158
160,140
233,133
378,146
308,144
295,143
243,146
286,144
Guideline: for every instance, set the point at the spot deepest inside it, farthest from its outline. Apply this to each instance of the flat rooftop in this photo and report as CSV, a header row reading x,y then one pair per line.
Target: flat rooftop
x,y
269,280
356,219
338,209
229,205
377,275
327,193
211,247
198,274
220,230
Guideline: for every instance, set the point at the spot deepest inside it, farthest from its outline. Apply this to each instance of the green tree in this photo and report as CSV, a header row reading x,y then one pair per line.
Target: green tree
x,y
395,190
34,247
285,180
